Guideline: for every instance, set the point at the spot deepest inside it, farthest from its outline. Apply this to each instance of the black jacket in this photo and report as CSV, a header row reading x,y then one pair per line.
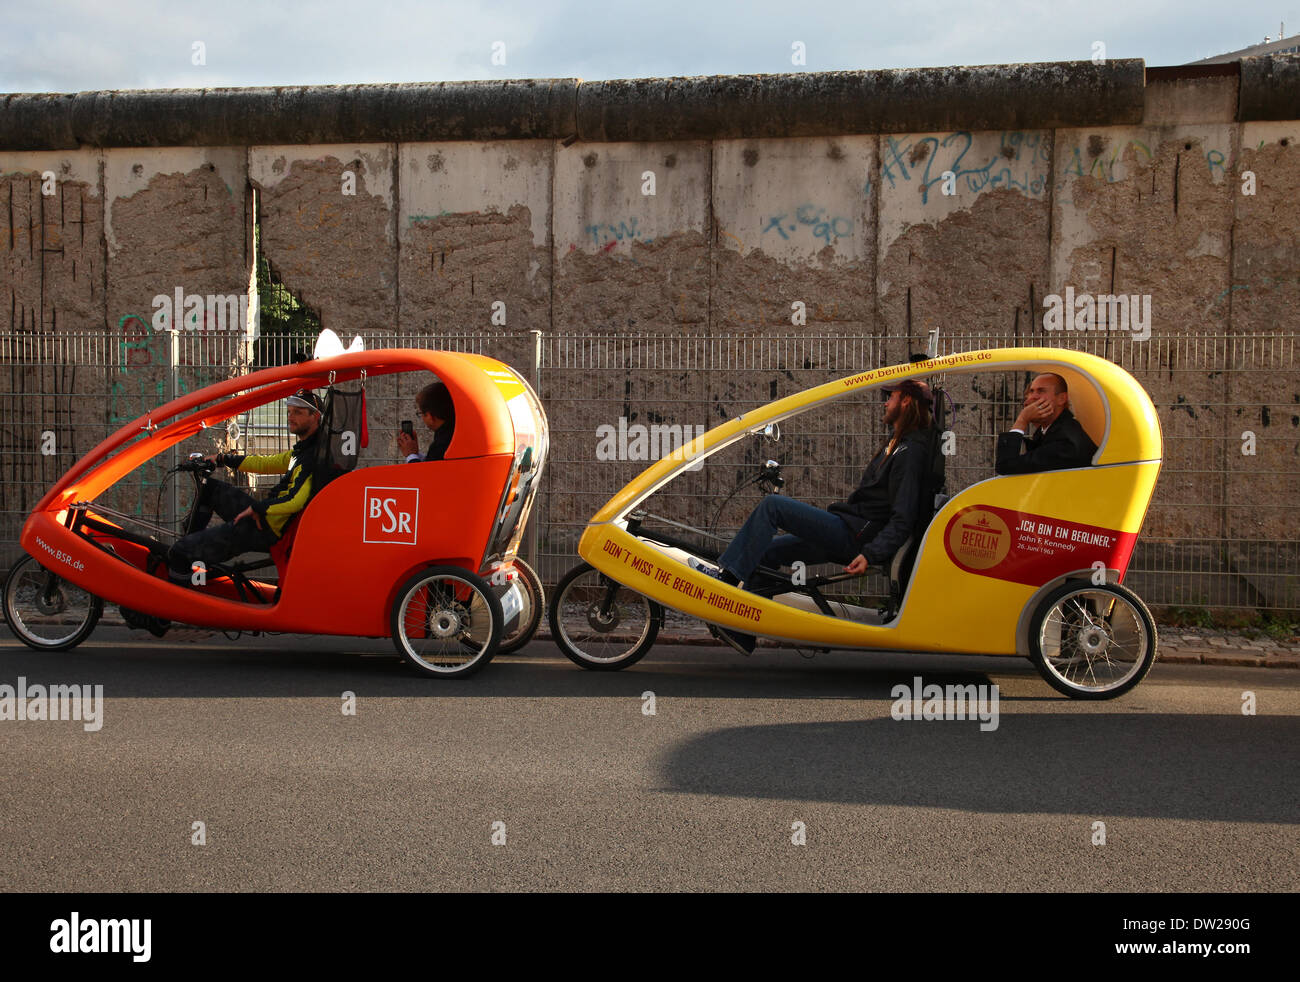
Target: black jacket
x,y
1065,444
886,506
306,470
439,444
441,440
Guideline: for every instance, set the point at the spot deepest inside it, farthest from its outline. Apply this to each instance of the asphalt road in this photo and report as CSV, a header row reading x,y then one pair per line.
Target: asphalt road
x,y
249,738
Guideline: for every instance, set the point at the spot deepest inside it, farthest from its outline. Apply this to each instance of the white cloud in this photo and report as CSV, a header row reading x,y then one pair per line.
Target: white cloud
x,y
67,45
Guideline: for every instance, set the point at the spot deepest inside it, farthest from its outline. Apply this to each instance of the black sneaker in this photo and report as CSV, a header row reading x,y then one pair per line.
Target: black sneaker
x,y
145,622
743,643
717,572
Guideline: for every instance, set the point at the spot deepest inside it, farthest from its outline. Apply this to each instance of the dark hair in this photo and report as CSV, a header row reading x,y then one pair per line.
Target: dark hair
x,y
915,416
1060,383
919,391
434,398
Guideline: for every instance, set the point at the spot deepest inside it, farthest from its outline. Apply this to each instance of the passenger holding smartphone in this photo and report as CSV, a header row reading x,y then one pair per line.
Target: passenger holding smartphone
x,y
433,403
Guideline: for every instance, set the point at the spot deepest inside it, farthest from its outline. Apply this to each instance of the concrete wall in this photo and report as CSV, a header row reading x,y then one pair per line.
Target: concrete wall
x,y
669,216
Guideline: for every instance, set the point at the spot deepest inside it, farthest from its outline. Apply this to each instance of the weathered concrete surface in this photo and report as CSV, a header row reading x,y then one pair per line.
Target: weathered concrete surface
x,y
52,270
474,227
743,222
336,251
1270,88
752,106
947,263
521,109
176,219
626,260
1262,490
1148,212
1178,101
51,283
989,97
793,221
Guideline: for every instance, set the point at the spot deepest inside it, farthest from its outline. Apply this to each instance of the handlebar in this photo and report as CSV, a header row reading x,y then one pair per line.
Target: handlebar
x,y
770,476
196,465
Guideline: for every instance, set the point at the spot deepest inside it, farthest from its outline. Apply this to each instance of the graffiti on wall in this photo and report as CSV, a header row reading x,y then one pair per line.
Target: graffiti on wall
x,y
809,219
1021,161
608,235
1109,167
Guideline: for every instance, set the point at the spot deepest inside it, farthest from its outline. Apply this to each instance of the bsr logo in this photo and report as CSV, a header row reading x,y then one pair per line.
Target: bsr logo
x,y
392,515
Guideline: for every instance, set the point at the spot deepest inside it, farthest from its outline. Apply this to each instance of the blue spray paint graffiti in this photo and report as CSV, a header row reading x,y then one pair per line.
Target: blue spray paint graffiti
x,y
608,235
813,219
1020,162
1103,166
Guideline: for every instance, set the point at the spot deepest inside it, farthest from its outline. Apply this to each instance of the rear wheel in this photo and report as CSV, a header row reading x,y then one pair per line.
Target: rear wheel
x,y
47,612
600,624
446,622
1092,642
534,598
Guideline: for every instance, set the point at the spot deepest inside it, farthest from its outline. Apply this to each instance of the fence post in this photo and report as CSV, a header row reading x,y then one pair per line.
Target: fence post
x,y
173,369
535,518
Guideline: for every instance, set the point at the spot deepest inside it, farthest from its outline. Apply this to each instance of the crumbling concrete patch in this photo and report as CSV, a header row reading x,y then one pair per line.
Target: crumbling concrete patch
x,y
793,250
1147,212
660,287
177,220
1263,438
631,237
475,225
474,272
976,275
328,230
51,283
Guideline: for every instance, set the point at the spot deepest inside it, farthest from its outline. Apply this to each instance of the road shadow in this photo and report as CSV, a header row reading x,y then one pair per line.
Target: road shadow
x,y
302,666
1195,767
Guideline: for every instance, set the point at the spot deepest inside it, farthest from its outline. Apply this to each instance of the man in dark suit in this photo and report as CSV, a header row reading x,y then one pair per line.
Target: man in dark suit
x,y
435,407
1060,441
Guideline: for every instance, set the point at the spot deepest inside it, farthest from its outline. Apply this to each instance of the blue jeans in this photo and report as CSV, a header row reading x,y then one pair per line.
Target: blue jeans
x,y
816,536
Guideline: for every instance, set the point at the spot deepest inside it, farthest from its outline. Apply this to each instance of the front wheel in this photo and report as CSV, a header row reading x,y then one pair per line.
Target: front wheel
x,y
446,622
600,624
534,599
1092,642
46,612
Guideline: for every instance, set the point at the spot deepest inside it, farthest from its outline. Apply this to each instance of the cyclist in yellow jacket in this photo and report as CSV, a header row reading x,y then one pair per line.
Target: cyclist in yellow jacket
x,y
252,525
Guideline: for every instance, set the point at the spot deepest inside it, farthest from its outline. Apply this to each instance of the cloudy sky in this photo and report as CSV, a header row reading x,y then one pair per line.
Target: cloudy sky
x,y
75,45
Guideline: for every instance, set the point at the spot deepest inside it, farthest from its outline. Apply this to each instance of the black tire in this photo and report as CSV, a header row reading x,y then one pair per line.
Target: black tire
x,y
600,624
45,611
1092,642
531,616
446,622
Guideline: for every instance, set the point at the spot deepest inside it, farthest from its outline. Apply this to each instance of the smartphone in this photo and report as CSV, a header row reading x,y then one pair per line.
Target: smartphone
x,y
408,427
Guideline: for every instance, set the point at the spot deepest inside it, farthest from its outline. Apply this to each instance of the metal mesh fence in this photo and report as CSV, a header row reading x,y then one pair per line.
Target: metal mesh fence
x,y
1218,533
